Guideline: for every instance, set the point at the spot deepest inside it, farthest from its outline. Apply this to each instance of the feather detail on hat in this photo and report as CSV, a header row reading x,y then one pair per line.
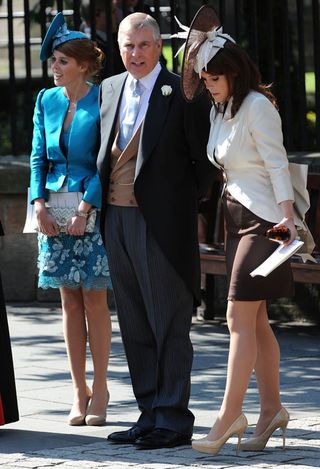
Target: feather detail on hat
x,y
203,40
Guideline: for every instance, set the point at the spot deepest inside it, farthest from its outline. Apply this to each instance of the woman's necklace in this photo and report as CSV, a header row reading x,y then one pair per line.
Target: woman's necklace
x,y
72,103
72,106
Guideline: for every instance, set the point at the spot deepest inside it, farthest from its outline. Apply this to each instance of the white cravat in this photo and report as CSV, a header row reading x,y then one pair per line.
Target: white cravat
x,y
127,125
147,84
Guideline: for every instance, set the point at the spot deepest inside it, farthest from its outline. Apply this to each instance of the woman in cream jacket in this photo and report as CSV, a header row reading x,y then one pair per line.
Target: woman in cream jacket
x,y
246,144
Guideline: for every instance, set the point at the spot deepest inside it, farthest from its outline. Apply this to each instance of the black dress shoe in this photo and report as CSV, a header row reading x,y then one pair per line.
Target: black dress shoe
x,y
161,438
128,436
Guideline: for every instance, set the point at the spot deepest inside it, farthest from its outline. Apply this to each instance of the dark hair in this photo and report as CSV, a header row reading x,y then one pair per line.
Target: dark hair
x,y
85,9
84,51
241,73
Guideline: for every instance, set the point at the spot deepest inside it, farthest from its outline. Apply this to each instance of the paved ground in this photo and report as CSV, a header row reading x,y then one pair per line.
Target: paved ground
x,y
42,439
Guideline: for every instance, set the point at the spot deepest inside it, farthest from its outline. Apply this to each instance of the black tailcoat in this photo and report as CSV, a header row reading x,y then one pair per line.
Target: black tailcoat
x,y
172,170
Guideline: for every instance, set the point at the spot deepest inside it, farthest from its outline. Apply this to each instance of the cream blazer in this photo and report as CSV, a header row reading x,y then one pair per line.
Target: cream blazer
x,y
250,149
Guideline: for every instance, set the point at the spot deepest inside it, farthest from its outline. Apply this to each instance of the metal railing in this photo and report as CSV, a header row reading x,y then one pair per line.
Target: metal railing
x,y
282,36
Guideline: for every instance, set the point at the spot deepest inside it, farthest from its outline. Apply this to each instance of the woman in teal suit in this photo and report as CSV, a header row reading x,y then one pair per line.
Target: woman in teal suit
x,y
63,159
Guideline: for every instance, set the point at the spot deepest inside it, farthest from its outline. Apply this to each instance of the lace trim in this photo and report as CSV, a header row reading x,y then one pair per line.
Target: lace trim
x,y
91,284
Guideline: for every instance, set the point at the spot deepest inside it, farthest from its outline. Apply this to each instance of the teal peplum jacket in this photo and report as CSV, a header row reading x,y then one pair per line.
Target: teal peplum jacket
x,y
50,168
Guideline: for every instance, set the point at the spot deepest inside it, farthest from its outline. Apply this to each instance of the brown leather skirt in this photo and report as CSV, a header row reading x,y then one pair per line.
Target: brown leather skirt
x,y
246,248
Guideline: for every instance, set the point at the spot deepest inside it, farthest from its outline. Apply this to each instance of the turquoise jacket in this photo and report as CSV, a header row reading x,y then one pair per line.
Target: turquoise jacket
x,y
50,168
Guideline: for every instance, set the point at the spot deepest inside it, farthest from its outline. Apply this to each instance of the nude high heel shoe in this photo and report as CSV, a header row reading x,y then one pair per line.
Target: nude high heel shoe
x,y
97,419
78,418
258,443
213,447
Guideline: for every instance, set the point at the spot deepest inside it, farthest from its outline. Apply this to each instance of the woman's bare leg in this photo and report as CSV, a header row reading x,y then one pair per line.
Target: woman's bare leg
x,y
267,370
241,317
99,332
75,334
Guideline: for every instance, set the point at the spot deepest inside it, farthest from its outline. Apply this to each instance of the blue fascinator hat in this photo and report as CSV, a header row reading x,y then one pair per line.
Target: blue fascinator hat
x,y
57,34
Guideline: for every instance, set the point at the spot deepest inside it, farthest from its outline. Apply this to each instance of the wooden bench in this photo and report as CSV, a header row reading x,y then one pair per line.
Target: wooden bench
x,y
212,255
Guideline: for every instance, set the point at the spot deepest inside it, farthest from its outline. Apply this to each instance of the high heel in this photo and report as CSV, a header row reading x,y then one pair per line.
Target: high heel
x,y
97,419
213,447
78,418
258,443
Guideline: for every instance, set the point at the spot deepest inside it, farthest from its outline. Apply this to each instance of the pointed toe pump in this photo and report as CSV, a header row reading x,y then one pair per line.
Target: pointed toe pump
x,y
78,418
97,419
213,447
259,442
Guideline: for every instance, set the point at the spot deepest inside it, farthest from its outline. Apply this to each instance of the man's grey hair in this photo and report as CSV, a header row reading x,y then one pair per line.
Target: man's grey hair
x,y
137,21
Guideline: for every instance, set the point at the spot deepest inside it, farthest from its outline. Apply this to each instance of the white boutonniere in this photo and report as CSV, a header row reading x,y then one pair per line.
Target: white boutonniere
x,y
166,90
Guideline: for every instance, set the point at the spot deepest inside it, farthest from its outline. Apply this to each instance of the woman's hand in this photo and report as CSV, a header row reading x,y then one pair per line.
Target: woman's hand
x,y
288,220
47,224
76,226
289,223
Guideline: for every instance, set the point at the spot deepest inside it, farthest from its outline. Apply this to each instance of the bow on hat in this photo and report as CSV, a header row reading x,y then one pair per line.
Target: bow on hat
x,y
214,42
207,44
57,34
203,40
61,34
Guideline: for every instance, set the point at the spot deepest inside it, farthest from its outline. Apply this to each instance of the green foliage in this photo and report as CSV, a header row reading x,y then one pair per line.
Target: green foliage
x,y
310,82
311,116
166,51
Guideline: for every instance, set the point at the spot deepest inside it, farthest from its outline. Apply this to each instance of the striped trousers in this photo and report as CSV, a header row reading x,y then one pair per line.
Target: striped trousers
x,y
155,311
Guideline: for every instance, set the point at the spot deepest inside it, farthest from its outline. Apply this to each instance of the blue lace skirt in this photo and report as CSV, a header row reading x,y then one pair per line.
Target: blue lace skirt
x,y
73,261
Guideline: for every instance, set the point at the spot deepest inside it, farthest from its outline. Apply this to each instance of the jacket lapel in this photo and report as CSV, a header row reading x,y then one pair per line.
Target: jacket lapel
x,y
56,109
110,95
155,118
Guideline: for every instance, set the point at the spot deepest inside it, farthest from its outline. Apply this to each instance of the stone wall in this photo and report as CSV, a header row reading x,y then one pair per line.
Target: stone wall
x,y
18,251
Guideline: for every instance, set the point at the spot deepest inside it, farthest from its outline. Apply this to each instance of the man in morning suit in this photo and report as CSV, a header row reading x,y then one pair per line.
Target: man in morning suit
x,y
153,168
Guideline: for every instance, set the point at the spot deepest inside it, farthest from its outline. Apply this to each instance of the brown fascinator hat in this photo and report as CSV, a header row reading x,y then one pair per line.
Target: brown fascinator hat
x,y
205,20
